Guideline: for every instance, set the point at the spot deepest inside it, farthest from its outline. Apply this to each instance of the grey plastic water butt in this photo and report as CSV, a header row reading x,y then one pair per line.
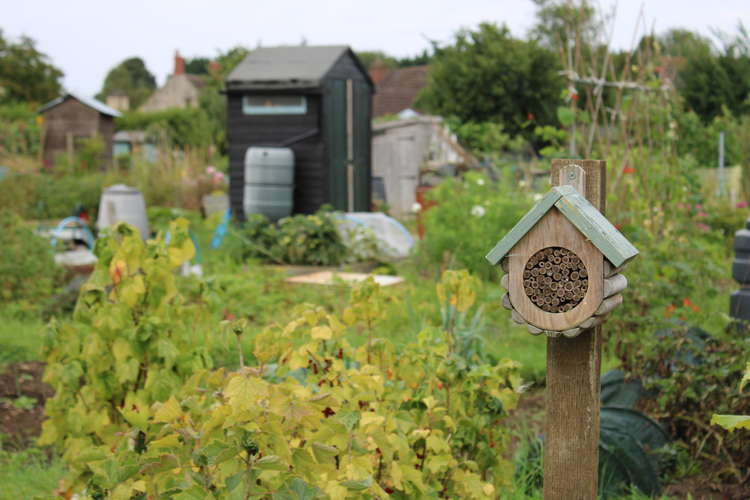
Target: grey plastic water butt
x,y
739,301
121,203
269,182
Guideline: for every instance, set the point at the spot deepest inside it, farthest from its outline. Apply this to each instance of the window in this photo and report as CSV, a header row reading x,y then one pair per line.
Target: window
x,y
274,105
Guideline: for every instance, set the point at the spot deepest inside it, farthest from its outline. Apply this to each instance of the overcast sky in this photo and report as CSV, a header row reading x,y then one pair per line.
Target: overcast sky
x,y
86,38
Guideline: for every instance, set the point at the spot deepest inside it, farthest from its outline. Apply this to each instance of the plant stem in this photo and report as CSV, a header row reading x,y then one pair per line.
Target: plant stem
x,y
239,348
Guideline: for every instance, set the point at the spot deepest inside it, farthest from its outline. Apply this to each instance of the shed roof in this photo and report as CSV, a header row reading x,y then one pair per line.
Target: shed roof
x,y
286,67
398,90
582,214
88,101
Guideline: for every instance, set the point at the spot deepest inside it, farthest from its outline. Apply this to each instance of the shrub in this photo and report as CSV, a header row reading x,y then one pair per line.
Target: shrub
x,y
175,127
471,215
49,196
733,422
318,417
690,375
132,341
20,129
299,239
27,269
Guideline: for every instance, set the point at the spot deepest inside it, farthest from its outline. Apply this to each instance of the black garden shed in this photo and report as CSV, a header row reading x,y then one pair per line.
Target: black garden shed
x,y
317,100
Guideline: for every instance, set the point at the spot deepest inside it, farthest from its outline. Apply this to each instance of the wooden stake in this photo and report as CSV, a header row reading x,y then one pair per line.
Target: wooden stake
x,y
571,452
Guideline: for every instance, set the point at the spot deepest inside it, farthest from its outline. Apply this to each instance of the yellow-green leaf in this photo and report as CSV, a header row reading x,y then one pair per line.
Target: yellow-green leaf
x,y
321,333
168,411
745,378
731,422
168,441
370,421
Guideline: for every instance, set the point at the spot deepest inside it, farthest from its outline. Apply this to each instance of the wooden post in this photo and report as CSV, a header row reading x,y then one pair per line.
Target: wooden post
x,y
571,453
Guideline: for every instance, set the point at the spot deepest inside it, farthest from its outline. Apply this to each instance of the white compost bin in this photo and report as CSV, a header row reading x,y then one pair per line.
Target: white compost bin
x,y
121,203
269,182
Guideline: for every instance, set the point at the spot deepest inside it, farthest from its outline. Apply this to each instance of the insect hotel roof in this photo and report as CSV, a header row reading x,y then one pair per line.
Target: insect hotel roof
x,y
582,214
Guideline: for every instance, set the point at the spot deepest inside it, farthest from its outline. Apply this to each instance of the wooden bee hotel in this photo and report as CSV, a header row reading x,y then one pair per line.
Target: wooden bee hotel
x,y
562,261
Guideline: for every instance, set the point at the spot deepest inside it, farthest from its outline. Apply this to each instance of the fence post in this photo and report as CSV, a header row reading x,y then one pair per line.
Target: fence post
x,y
571,439
563,261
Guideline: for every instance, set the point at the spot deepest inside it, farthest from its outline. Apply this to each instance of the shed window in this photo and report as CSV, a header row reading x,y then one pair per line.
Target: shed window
x,y
274,105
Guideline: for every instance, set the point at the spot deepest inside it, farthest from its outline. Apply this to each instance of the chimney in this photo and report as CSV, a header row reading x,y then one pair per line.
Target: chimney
x,y
378,71
179,63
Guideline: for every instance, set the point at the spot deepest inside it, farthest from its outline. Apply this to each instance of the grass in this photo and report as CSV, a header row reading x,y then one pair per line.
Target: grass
x,y
28,474
21,335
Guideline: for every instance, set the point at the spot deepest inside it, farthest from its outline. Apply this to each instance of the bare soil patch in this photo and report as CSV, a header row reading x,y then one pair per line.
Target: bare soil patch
x,y
22,397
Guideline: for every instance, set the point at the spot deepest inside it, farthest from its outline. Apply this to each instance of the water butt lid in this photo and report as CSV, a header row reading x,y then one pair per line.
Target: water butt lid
x,y
121,189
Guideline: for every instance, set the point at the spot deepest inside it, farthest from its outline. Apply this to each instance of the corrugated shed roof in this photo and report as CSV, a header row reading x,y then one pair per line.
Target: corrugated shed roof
x,y
88,101
285,67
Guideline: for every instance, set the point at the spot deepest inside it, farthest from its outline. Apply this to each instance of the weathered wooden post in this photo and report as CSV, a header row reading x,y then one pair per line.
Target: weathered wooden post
x,y
563,260
739,302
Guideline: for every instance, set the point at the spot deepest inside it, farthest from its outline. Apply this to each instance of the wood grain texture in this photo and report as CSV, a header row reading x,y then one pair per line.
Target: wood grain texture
x,y
554,230
571,451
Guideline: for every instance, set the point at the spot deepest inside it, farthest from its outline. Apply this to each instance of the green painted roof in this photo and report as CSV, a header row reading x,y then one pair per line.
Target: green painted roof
x,y
582,214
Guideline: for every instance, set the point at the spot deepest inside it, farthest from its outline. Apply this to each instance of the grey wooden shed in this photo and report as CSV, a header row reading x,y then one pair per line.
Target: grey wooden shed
x,y
317,100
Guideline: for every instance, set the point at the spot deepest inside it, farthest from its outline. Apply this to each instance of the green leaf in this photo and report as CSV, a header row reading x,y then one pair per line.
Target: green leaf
x,y
271,462
194,493
359,485
349,419
745,378
297,489
324,453
233,481
566,116
167,350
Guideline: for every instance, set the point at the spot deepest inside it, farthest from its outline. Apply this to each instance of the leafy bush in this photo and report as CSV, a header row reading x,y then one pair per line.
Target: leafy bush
x,y
20,129
316,416
688,373
27,269
49,196
681,274
471,215
732,422
299,239
175,127
130,343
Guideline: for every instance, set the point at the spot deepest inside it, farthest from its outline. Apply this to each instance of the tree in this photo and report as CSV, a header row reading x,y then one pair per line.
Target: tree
x,y
25,73
425,57
367,57
132,78
197,65
711,80
487,75
212,100
683,43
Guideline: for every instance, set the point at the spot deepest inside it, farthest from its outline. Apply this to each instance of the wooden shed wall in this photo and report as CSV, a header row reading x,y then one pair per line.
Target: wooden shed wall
x,y
334,126
74,118
243,131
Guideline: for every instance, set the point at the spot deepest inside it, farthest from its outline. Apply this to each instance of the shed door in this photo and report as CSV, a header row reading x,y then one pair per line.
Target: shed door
x,y
349,112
